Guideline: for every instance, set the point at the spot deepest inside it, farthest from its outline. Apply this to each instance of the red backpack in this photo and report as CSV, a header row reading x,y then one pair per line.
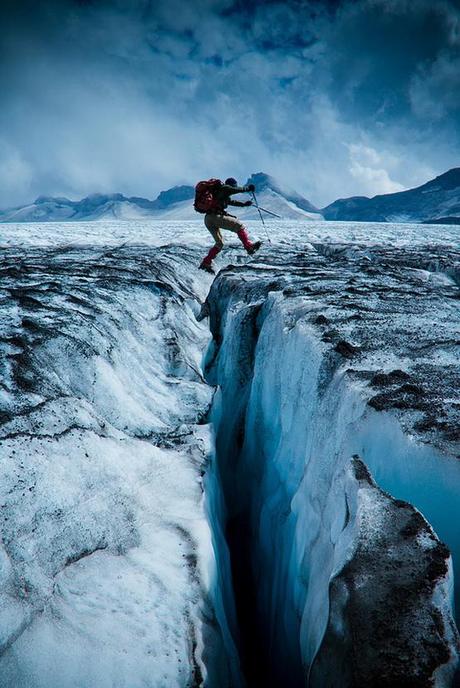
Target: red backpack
x,y
205,201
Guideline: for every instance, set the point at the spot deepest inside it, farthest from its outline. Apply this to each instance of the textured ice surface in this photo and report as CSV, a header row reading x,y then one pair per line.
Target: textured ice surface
x,y
322,354
193,232
107,573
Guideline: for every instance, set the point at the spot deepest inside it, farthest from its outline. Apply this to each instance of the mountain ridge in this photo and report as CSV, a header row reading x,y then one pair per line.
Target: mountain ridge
x,y
175,203
434,201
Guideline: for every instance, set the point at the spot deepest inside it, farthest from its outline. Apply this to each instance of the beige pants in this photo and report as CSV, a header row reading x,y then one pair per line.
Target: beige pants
x,y
216,222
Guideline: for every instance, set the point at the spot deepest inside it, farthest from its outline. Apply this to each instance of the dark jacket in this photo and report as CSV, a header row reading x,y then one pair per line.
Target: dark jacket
x,y
224,193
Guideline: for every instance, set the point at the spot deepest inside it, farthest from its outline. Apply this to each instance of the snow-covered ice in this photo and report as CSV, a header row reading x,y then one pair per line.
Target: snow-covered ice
x,y
339,340
192,232
323,354
107,569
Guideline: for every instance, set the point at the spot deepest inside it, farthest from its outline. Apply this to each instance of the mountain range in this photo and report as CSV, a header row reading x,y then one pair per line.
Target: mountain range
x,y
436,201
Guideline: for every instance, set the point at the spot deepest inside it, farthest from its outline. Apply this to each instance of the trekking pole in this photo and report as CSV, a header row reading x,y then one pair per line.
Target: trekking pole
x,y
269,212
257,206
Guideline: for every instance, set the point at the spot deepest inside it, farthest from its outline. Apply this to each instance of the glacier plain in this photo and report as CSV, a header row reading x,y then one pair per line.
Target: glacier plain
x,y
338,345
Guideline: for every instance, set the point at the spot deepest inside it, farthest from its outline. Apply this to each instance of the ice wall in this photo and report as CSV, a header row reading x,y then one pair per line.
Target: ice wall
x,y
107,571
341,582
114,567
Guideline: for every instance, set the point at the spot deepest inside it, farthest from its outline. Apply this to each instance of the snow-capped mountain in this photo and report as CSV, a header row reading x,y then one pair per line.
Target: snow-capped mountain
x,y
279,199
174,204
436,200
99,207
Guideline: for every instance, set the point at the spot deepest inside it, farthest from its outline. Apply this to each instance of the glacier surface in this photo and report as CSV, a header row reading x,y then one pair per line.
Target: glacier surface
x,y
277,510
107,568
305,351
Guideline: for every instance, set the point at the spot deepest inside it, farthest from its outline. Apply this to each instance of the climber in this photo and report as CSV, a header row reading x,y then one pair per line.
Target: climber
x,y
212,198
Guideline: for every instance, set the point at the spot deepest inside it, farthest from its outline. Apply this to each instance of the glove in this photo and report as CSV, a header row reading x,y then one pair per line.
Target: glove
x,y
251,187
247,203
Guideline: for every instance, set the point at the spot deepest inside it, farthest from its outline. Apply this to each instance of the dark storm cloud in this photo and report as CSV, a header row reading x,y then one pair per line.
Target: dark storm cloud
x,y
335,97
385,49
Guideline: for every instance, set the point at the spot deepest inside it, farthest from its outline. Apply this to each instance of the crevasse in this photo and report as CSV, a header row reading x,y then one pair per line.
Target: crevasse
x,y
107,568
298,515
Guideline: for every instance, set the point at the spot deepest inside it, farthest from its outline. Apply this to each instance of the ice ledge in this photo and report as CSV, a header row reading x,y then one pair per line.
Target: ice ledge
x,y
107,572
302,343
389,616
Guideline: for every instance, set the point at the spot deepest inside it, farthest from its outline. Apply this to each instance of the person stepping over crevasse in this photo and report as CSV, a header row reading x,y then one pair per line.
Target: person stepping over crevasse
x,y
212,198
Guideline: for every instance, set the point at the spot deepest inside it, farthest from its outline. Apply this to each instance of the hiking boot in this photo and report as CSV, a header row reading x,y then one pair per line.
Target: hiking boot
x,y
208,268
255,247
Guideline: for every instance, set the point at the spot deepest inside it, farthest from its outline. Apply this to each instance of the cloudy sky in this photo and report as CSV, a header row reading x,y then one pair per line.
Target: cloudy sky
x,y
336,98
